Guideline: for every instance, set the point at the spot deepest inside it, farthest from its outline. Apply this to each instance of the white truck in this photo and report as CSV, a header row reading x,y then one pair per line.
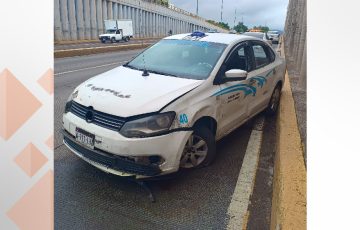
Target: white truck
x,y
117,30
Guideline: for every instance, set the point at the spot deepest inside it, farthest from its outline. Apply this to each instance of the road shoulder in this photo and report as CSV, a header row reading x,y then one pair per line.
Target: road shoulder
x,y
289,191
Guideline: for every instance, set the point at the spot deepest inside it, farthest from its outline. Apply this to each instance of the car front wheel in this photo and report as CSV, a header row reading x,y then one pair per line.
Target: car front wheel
x,y
199,150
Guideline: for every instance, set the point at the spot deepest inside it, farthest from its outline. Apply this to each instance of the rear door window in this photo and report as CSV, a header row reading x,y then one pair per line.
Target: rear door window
x,y
260,56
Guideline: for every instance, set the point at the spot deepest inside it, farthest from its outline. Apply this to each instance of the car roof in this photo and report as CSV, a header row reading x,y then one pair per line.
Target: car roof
x,y
224,38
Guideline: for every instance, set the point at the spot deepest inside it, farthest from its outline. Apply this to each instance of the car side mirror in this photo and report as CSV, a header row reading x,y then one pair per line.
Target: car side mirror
x,y
235,75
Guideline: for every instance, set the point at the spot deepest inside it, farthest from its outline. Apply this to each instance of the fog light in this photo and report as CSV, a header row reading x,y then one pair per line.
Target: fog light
x,y
147,160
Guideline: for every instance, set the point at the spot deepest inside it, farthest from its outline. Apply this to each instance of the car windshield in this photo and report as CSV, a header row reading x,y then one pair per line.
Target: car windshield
x,y
180,58
110,31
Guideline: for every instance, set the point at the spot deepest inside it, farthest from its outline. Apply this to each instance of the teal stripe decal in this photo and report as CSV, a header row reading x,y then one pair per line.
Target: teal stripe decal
x,y
247,89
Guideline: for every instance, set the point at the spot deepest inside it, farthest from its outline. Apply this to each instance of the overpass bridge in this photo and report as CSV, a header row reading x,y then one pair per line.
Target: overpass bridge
x,y
84,19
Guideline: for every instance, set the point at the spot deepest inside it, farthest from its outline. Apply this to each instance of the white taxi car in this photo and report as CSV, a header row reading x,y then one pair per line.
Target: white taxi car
x,y
165,109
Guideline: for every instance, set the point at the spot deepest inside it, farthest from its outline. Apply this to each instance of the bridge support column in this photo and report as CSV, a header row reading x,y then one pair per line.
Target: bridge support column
x,y
64,19
109,10
57,23
72,20
99,17
87,26
93,20
79,19
121,12
116,11
104,10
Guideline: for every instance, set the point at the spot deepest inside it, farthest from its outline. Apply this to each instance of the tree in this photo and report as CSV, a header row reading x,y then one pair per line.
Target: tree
x,y
224,25
240,27
219,24
163,2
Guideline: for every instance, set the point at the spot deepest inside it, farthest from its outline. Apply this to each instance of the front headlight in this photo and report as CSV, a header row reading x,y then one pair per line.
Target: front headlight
x,y
69,101
148,126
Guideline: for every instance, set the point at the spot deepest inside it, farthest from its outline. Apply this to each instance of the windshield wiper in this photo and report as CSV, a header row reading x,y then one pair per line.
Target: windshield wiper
x,y
161,73
150,71
131,67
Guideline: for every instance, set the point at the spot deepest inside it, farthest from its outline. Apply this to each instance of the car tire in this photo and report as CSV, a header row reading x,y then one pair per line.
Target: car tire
x,y
191,157
112,40
274,101
103,41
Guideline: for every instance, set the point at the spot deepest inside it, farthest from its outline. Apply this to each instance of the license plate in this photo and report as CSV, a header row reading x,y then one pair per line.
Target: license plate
x,y
84,137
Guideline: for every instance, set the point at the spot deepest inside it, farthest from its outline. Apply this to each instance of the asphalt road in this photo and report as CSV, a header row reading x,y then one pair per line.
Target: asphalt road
x,y
87,198
99,44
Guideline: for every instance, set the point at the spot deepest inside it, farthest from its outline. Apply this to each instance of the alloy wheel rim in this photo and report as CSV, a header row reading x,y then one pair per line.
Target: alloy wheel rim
x,y
194,153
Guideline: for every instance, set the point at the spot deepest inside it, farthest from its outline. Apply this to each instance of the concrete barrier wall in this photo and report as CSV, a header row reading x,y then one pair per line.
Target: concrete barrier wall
x,y
289,186
295,41
84,19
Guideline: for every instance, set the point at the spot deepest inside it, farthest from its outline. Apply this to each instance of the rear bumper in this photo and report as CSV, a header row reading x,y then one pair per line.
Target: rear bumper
x,y
118,165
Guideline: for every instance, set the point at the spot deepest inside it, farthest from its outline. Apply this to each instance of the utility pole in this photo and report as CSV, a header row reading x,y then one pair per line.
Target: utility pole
x,y
222,4
197,7
235,18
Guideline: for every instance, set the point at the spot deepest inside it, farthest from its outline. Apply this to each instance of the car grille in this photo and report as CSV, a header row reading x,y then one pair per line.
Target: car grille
x,y
99,118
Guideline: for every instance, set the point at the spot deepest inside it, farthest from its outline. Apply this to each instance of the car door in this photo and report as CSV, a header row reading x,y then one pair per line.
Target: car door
x,y
261,77
118,35
234,95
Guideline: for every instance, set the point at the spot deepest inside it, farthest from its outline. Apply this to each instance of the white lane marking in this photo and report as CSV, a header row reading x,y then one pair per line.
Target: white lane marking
x,y
244,186
93,67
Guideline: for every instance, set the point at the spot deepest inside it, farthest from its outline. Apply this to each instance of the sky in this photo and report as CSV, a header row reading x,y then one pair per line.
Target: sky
x,y
271,13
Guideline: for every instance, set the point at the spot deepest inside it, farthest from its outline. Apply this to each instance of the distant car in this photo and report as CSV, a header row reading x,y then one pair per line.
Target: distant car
x,y
232,32
260,35
117,30
213,31
274,36
165,109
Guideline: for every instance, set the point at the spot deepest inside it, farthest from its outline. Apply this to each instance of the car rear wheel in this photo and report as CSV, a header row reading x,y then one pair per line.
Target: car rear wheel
x,y
199,150
274,101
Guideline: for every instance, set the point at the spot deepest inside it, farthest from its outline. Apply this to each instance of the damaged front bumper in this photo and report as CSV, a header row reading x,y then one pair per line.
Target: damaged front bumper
x,y
116,154
122,166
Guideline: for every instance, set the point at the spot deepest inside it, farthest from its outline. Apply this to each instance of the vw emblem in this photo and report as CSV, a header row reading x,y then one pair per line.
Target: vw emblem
x,y
89,116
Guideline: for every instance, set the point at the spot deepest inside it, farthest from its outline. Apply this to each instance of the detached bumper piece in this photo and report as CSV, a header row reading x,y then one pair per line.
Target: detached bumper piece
x,y
114,162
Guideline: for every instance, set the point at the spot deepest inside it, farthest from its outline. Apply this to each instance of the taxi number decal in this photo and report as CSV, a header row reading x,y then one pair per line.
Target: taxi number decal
x,y
183,119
